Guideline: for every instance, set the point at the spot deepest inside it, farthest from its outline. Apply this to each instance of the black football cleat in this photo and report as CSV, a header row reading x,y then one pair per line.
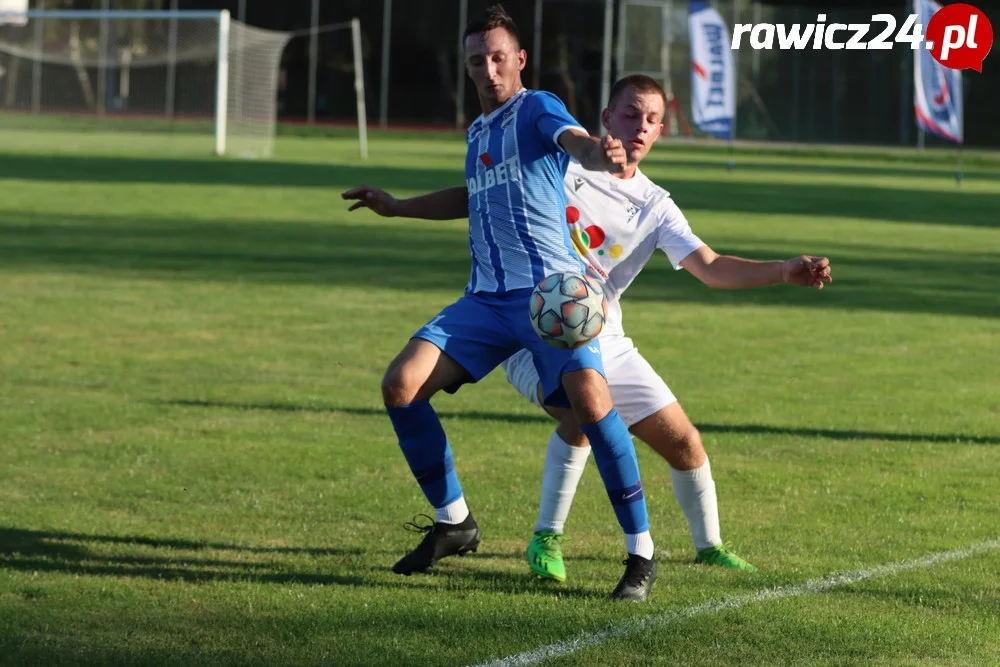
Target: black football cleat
x,y
637,582
442,540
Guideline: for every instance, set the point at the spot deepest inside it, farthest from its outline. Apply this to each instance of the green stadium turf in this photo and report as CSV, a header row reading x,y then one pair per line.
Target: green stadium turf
x,y
195,466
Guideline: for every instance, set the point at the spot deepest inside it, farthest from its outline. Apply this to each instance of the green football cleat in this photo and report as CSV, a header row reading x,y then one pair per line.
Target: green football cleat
x,y
545,555
723,556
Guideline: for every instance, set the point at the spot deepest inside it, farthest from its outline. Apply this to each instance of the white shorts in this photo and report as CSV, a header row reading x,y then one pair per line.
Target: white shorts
x,y
636,389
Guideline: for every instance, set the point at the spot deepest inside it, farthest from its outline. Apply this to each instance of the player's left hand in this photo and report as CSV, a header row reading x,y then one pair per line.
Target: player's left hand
x,y
807,271
613,154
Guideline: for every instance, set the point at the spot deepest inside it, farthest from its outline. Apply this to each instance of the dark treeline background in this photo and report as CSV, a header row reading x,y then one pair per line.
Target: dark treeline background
x,y
809,96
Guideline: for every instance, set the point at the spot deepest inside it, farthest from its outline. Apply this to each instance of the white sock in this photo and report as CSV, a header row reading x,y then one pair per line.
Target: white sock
x,y
695,493
454,512
640,544
563,468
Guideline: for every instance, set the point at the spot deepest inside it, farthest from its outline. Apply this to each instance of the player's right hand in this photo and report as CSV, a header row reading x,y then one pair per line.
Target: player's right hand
x,y
807,271
613,154
376,199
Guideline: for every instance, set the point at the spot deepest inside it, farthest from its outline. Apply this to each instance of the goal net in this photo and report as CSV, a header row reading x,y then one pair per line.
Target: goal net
x,y
180,73
652,40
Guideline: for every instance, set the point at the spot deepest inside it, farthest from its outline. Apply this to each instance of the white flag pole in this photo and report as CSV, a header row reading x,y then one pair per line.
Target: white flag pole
x,y
958,174
961,126
731,164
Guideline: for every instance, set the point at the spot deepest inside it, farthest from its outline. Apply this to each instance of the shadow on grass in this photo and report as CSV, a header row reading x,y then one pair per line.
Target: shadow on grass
x,y
692,193
74,553
249,173
713,428
947,175
174,570
10,536
850,434
418,258
292,407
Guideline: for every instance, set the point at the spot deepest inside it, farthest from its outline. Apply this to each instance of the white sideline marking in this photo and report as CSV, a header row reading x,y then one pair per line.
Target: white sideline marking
x,y
586,640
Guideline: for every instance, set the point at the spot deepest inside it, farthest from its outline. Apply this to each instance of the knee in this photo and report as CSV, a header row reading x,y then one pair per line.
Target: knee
x,y
398,386
588,393
569,430
690,441
689,451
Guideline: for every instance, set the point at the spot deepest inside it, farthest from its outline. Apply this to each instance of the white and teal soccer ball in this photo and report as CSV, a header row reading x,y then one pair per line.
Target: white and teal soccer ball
x,y
568,309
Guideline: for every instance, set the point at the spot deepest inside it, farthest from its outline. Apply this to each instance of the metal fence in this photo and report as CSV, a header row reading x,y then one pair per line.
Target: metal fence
x,y
811,95
414,76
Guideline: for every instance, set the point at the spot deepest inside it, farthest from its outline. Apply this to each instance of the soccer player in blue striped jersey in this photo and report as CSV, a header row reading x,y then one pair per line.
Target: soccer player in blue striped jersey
x,y
518,153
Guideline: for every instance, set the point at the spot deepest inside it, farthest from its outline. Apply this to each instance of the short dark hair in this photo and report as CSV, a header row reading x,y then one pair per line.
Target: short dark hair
x,y
640,83
494,16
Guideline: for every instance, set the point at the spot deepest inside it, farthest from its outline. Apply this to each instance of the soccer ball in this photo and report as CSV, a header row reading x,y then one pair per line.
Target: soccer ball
x,y
568,309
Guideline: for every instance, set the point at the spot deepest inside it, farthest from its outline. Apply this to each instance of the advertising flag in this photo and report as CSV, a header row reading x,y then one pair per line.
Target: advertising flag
x,y
713,80
937,90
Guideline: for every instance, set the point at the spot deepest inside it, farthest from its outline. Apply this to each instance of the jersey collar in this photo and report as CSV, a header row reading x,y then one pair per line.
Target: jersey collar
x,y
506,105
632,186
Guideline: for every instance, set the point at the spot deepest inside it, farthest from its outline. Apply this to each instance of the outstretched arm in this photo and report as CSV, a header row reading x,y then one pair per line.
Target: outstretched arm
x,y
447,204
728,272
595,154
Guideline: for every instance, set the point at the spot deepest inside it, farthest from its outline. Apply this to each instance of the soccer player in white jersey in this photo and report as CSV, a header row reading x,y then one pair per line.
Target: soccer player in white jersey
x,y
617,222
513,196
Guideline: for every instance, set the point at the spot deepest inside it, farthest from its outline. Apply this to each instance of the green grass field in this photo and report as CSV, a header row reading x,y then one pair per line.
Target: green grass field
x,y
195,467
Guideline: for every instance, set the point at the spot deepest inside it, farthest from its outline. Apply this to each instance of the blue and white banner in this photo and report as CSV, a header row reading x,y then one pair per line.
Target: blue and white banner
x,y
713,80
937,90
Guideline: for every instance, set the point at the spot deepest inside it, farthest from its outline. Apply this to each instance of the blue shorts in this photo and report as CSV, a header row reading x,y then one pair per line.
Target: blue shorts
x,y
482,329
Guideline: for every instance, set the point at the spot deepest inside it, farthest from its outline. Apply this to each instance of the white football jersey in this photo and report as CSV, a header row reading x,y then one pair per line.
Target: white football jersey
x,y
616,224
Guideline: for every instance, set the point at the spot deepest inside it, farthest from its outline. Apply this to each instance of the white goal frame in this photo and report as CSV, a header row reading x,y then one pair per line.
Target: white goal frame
x,y
222,58
222,82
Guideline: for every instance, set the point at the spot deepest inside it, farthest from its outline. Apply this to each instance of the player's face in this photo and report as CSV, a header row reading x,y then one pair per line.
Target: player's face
x,y
636,119
494,63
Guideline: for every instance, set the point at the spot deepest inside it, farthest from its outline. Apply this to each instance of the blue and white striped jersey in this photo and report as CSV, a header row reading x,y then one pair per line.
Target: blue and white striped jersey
x,y
514,171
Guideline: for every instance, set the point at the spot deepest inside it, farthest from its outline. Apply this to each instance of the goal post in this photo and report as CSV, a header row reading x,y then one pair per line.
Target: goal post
x,y
652,40
222,84
182,72
359,88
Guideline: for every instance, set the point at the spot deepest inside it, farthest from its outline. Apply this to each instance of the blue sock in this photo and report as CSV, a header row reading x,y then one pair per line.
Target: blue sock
x,y
426,449
615,457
